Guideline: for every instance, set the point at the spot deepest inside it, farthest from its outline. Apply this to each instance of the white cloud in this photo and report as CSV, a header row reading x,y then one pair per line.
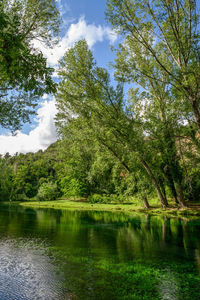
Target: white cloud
x,y
90,32
77,31
63,7
45,133
39,138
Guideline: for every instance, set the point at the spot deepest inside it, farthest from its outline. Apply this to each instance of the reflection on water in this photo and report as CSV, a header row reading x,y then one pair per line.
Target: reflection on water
x,y
25,271
60,254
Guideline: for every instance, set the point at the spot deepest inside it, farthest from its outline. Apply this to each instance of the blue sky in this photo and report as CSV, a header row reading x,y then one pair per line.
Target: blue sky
x,y
81,19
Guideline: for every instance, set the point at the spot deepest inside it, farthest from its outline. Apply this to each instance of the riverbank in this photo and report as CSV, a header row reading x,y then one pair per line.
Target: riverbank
x,y
192,211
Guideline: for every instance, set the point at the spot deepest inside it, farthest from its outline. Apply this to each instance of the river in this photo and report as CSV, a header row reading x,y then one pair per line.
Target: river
x,y
54,254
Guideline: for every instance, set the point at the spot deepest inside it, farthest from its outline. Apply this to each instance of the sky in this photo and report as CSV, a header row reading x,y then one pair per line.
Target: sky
x,y
81,19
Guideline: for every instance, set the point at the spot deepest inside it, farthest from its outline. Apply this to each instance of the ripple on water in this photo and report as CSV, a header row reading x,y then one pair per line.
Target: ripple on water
x,y
26,272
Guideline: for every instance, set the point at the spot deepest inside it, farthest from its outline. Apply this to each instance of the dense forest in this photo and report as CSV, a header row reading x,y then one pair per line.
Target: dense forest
x,y
134,136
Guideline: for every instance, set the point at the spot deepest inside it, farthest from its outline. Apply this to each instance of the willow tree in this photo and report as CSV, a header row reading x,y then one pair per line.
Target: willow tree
x,y
24,74
85,91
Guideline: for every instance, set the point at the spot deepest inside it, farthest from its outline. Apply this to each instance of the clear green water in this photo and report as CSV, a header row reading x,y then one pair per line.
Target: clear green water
x,y
60,254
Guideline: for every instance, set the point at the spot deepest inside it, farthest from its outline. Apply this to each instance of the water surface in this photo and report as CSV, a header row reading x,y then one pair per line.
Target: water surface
x,y
64,254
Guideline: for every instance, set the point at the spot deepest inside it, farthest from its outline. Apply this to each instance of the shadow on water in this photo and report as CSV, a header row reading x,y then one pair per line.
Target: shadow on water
x,y
61,254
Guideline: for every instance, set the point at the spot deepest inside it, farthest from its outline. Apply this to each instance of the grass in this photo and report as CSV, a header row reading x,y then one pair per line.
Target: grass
x,y
131,207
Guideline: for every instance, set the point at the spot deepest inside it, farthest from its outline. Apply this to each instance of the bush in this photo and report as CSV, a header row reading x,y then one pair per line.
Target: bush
x,y
18,197
47,191
96,198
72,187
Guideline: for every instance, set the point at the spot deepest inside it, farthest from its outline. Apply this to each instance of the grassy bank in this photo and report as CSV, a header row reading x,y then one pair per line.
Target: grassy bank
x,y
194,210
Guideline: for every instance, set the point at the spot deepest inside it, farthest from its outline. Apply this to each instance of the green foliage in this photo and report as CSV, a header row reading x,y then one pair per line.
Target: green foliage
x,y
160,47
47,191
107,198
23,174
159,61
72,187
85,90
6,180
96,198
112,146
25,75
28,175
193,184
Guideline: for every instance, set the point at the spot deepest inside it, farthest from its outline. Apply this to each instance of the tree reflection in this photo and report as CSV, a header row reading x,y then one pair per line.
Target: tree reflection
x,y
96,250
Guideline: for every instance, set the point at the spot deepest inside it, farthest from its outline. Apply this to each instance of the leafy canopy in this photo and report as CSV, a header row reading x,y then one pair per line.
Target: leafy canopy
x,y
24,74
161,39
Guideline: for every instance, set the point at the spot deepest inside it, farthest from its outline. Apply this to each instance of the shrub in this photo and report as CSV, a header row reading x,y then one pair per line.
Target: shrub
x,y
72,187
47,191
96,198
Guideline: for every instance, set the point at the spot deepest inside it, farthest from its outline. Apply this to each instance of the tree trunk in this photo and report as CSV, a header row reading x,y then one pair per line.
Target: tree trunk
x,y
163,201
145,202
162,188
171,184
181,200
196,112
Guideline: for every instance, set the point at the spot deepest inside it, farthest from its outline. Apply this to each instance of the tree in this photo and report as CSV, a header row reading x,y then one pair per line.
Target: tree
x,y
155,107
25,75
6,179
164,27
85,90
158,53
30,171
